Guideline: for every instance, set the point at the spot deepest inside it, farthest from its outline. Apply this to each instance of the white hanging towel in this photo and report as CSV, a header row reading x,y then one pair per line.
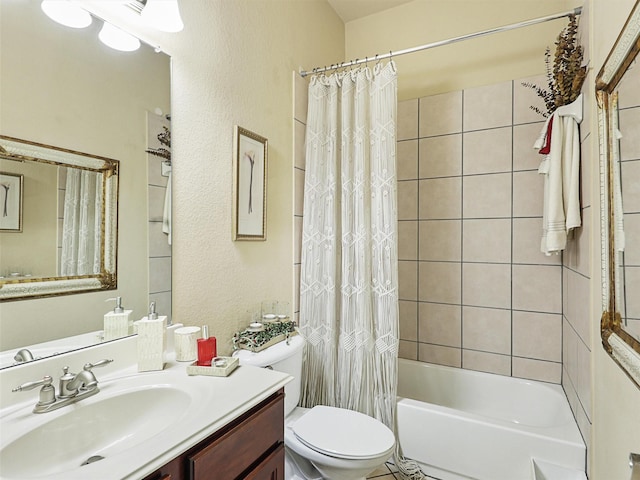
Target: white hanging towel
x,y
561,167
166,215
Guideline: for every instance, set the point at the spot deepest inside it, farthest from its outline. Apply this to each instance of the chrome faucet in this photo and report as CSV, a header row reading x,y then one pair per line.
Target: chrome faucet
x,y
23,355
73,388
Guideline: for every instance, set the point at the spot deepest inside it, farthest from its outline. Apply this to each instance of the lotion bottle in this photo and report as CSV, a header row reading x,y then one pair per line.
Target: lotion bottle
x,y
206,348
152,340
116,322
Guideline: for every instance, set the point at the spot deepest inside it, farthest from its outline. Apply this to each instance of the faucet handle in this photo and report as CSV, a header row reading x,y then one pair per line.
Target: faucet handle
x,y
45,382
100,363
47,392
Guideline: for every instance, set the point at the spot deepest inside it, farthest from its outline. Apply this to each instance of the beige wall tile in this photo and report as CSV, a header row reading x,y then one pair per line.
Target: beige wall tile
x,y
537,336
408,320
408,240
408,350
632,283
577,254
538,288
439,324
528,194
298,208
576,290
487,240
537,370
629,124
407,119
630,188
297,241
584,378
439,282
156,203
486,329
158,244
441,114
487,196
407,155
299,146
486,285
487,151
487,107
525,157
441,156
524,98
440,198
440,240
439,355
486,362
408,200
159,274
628,92
632,239
408,280
527,233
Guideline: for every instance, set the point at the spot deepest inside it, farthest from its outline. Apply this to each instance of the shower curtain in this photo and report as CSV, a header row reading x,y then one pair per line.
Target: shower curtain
x,y
81,227
349,272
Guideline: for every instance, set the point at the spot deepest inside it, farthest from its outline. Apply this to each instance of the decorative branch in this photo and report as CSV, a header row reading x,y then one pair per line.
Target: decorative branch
x,y
165,139
565,75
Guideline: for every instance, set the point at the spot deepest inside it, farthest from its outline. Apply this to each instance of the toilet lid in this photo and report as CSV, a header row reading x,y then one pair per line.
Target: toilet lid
x,y
342,433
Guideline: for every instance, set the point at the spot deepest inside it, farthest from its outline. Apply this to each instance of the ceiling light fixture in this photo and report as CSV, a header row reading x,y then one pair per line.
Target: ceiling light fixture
x,y
67,13
118,39
163,15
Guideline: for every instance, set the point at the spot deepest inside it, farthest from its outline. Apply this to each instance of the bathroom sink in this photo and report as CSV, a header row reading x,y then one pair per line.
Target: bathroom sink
x,y
128,412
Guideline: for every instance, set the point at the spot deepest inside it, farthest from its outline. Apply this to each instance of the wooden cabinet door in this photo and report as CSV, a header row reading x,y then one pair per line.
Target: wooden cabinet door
x,y
231,454
271,468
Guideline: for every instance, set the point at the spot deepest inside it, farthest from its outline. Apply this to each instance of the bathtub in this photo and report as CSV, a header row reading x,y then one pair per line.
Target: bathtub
x,y
459,424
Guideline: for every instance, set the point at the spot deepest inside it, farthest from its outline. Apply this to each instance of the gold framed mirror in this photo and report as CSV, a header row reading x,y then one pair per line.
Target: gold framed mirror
x,y
68,210
618,97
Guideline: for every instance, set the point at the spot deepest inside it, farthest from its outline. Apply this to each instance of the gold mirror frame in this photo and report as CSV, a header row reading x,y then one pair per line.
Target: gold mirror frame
x,y
25,151
623,347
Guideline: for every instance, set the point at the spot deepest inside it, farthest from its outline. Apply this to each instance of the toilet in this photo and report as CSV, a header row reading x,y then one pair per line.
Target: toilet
x,y
322,442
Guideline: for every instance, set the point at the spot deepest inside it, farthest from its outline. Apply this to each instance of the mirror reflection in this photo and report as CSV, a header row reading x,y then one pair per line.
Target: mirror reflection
x,y
63,87
627,153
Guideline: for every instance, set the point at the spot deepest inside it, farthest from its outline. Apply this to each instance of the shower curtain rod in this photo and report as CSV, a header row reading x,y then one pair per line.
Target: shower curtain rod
x,y
513,26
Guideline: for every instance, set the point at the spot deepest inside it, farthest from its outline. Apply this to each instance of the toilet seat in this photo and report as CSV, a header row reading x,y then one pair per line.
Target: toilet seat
x,y
342,433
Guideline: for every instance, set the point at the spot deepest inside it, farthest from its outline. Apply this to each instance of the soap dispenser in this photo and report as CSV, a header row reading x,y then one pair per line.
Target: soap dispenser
x,y
116,322
152,339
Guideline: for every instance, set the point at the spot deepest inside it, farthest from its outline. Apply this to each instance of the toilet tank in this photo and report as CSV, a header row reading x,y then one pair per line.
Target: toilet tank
x,y
283,357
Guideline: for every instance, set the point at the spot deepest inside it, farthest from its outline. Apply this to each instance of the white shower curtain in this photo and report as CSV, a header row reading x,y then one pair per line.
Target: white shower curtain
x,y
349,273
81,230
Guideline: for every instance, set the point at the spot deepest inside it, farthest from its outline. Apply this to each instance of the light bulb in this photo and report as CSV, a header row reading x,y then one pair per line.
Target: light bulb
x,y
118,39
66,13
163,15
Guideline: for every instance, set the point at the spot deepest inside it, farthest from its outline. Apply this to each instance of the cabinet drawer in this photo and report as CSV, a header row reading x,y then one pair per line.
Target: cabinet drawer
x,y
240,448
271,468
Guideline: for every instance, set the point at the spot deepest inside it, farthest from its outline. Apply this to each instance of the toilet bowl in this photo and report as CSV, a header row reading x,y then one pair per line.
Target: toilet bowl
x,y
322,442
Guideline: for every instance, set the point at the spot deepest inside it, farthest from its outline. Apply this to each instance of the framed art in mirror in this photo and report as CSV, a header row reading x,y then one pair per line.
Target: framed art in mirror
x,y
68,241
618,97
11,202
249,185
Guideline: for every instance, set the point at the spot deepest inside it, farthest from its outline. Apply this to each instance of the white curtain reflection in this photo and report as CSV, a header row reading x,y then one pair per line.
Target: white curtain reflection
x,y
81,231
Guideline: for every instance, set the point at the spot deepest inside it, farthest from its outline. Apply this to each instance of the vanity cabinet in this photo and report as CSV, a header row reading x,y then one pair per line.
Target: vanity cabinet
x,y
249,447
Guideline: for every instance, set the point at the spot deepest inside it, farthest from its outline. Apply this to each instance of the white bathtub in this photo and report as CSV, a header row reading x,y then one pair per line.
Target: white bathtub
x,y
459,424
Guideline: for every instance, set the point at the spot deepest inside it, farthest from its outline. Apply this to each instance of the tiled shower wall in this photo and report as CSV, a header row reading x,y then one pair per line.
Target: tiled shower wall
x,y
159,248
475,290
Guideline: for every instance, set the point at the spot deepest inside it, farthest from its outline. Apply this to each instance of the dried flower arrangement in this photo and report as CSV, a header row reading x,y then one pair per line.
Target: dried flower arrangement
x,y
165,139
566,76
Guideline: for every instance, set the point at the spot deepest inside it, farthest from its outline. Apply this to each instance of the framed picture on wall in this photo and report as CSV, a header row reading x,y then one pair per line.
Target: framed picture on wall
x,y
11,196
249,185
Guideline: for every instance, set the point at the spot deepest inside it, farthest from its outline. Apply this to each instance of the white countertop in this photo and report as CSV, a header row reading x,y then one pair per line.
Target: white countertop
x,y
223,399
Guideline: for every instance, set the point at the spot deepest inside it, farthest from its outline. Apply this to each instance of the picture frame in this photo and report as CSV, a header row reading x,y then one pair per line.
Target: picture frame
x,y
11,199
250,155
